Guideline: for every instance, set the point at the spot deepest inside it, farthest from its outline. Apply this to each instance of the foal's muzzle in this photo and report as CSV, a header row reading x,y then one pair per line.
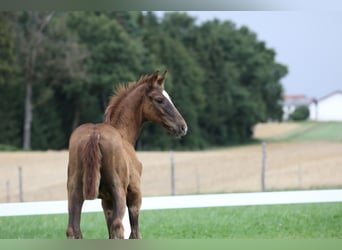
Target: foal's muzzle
x,y
180,131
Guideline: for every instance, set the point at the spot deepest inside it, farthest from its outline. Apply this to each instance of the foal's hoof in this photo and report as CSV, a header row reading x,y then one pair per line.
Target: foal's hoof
x,y
71,235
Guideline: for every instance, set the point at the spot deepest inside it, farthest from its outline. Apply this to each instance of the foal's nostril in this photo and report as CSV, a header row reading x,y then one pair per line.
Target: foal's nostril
x,y
184,129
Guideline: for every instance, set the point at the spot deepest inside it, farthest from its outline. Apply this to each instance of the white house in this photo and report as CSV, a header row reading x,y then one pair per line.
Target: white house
x,y
327,108
291,102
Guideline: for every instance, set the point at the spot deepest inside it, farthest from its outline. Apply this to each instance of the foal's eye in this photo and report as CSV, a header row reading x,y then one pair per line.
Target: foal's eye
x,y
159,100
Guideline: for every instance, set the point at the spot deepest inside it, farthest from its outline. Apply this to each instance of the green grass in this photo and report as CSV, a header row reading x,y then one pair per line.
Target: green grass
x,y
313,131
306,221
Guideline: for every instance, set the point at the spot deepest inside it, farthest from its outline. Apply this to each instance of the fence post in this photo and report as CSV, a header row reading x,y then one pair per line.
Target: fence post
x,y
198,181
21,197
299,176
173,189
8,196
263,167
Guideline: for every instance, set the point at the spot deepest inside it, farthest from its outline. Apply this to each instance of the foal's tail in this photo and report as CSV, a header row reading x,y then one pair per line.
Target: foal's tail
x,y
92,163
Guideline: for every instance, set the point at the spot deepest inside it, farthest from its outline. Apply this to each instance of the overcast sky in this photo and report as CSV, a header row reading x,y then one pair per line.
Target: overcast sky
x,y
308,42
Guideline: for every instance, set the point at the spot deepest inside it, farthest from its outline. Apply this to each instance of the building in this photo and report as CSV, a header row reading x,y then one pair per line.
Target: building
x,y
291,102
327,108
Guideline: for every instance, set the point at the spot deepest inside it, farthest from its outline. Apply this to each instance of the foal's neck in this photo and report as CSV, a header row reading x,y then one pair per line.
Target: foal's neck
x,y
128,117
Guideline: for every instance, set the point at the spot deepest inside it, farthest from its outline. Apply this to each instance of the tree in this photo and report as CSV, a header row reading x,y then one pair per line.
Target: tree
x,y
183,83
221,78
31,36
59,87
51,62
244,82
114,57
10,89
301,113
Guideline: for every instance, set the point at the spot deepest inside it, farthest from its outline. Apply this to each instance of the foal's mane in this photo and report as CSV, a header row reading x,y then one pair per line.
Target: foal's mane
x,y
120,93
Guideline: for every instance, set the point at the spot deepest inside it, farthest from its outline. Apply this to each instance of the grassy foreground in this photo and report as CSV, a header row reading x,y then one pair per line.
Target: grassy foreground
x,y
308,221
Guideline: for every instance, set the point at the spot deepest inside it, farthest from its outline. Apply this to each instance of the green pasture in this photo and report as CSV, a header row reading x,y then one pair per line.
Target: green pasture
x,y
313,131
305,221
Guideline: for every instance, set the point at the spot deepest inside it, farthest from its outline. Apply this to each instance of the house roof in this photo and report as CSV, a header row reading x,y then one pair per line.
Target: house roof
x,y
294,97
329,95
296,100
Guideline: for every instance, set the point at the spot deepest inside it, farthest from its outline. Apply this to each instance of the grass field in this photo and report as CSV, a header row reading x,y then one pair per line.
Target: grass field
x,y
308,221
300,132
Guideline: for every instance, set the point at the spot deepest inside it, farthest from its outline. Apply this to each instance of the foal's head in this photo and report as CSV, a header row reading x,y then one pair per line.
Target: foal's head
x,y
158,107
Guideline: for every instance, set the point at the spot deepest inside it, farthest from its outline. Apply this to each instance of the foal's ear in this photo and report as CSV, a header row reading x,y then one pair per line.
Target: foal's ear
x,y
154,77
161,79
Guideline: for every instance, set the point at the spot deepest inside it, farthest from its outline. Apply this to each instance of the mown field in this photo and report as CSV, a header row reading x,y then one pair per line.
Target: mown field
x,y
308,221
299,156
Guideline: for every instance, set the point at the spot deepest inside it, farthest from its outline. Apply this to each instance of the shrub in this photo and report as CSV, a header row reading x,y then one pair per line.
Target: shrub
x,y
301,113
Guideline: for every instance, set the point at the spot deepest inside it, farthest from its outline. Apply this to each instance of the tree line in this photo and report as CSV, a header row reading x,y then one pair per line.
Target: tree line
x,y
58,70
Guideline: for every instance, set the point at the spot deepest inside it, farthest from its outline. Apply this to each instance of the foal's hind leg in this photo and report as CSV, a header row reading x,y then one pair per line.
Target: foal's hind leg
x,y
75,202
134,204
108,210
114,211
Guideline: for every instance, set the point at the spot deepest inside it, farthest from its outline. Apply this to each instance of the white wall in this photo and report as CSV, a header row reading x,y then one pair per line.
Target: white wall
x,y
287,111
327,109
